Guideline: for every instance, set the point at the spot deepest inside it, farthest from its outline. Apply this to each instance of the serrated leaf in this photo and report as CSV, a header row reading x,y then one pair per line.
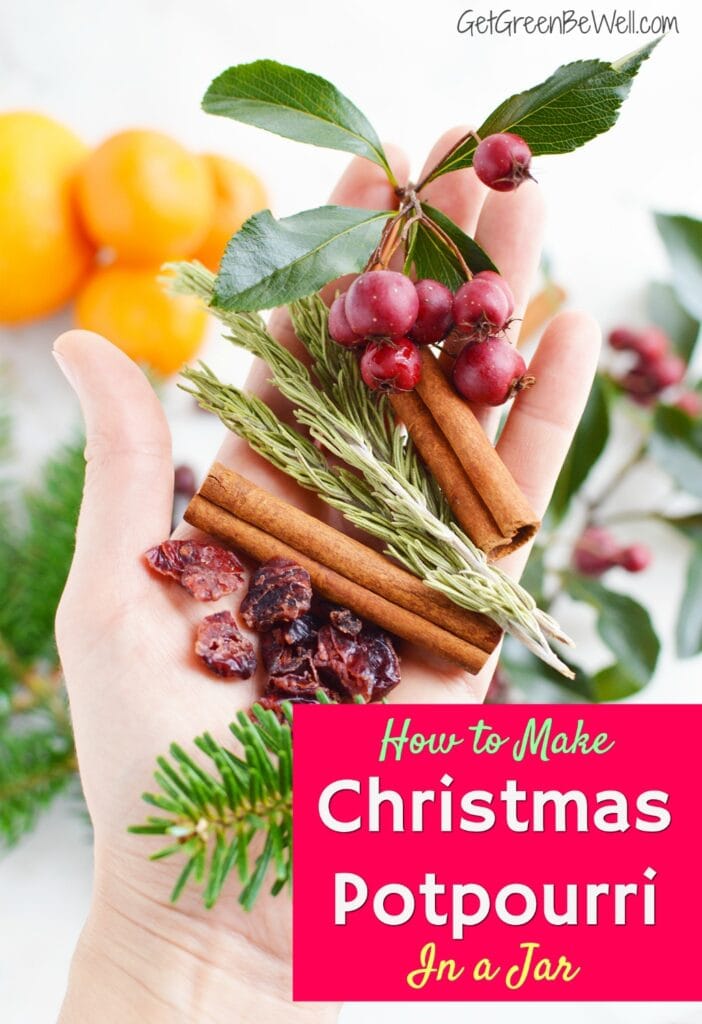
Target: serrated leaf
x,y
683,240
588,444
676,444
666,312
689,627
295,104
271,262
625,627
578,102
432,258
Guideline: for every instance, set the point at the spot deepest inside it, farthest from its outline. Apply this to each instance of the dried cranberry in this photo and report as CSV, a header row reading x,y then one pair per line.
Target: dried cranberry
x,y
206,570
365,665
282,653
223,648
280,591
345,621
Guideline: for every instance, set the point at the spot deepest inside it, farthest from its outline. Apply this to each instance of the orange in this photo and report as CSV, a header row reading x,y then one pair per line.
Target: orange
x,y
238,195
129,306
147,198
43,252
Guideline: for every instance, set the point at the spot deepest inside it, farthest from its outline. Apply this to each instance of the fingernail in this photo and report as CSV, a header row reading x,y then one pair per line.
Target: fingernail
x,y
65,367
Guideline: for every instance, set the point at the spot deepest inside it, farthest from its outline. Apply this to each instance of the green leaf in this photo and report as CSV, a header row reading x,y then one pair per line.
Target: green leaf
x,y
665,311
614,682
270,262
683,240
578,102
689,628
676,444
626,627
432,258
588,444
295,104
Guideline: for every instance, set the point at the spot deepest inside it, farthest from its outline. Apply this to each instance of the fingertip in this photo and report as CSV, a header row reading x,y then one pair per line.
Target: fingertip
x,y
365,184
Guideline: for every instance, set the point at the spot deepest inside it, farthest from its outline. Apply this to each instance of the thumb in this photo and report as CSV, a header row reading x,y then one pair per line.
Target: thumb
x,y
128,495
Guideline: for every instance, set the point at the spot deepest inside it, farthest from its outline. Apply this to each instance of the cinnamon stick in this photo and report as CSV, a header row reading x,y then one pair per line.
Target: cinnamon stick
x,y
352,559
207,516
483,494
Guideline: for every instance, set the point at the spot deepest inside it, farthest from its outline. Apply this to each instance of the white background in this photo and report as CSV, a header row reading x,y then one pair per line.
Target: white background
x,y
102,66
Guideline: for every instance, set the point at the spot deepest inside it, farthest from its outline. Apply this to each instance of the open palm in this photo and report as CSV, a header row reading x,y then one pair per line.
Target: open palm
x,y
125,637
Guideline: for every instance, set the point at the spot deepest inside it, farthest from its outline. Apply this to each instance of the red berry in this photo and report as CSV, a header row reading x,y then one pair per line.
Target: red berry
x,y
635,558
623,339
382,303
651,345
596,552
480,307
667,371
498,279
184,481
489,372
391,366
502,161
640,386
690,402
435,316
339,327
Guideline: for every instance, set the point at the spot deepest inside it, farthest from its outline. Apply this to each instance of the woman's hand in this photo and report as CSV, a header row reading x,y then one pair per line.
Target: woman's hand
x,y
125,639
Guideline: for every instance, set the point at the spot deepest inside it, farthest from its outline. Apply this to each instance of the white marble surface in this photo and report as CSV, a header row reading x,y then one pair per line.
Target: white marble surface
x,y
102,66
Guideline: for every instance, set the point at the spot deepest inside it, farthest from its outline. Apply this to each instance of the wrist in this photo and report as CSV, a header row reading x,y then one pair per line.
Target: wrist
x,y
138,959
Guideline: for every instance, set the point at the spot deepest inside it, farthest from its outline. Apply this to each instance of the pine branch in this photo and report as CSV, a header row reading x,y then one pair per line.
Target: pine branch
x,y
213,815
41,557
35,766
37,757
383,498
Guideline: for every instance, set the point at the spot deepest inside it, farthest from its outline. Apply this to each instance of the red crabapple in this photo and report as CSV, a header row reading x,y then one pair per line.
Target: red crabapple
x,y
667,371
635,558
480,307
391,366
489,372
184,483
502,161
623,339
382,303
596,552
435,316
498,279
651,345
339,327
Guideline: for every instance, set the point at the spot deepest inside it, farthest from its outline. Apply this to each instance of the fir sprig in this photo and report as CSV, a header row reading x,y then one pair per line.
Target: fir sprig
x,y
37,759
213,815
391,498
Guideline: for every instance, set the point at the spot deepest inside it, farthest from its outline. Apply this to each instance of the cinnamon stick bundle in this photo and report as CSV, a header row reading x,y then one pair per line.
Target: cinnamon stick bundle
x,y
341,569
482,493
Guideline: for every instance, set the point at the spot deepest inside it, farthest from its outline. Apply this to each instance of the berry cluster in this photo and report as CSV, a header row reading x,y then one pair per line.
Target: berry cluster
x,y
390,317
597,551
656,368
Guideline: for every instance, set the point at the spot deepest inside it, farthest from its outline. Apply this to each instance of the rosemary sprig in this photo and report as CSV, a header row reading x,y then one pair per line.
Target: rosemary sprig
x,y
389,497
